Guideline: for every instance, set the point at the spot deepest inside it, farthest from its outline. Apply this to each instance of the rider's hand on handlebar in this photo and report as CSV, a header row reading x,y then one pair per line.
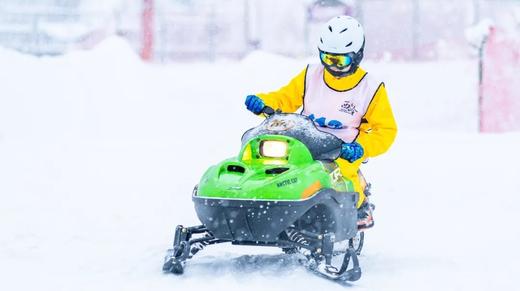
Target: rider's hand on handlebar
x,y
254,104
352,151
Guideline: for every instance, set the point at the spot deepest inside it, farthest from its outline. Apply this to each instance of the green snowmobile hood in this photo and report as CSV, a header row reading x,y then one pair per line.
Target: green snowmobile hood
x,y
271,167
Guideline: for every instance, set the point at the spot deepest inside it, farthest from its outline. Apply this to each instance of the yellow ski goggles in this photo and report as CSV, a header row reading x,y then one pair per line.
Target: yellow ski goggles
x,y
337,60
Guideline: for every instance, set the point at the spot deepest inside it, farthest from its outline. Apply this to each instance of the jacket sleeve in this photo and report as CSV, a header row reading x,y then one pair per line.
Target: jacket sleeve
x,y
378,129
288,98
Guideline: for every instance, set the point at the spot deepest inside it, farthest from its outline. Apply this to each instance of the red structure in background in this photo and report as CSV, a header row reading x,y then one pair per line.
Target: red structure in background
x,y
500,83
147,24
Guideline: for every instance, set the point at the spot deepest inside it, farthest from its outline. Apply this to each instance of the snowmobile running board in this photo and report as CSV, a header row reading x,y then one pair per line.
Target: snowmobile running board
x,y
318,256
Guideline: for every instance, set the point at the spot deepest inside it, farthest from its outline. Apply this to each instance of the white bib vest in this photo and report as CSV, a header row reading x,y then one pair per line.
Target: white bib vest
x,y
347,107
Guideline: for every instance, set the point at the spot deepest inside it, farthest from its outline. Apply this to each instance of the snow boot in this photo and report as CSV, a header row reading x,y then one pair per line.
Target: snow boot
x,y
365,216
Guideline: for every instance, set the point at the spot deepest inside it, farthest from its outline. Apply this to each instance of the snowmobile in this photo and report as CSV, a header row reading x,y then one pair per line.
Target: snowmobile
x,y
283,190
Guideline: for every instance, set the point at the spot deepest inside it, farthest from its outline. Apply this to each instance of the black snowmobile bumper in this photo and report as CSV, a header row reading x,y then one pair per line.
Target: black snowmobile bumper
x,y
262,221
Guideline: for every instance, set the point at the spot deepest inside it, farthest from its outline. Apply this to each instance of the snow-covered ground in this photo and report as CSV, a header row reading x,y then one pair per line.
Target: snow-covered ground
x,y
99,153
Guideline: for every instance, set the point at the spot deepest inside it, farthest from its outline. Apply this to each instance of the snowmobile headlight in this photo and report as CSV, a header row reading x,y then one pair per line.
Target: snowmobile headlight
x,y
273,149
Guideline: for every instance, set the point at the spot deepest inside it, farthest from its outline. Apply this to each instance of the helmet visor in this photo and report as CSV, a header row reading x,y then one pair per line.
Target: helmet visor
x,y
336,60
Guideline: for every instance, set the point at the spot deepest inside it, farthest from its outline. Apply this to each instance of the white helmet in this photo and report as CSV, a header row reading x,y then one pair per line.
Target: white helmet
x,y
342,35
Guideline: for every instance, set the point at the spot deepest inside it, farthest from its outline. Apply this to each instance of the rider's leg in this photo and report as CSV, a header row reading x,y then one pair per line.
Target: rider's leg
x,y
350,172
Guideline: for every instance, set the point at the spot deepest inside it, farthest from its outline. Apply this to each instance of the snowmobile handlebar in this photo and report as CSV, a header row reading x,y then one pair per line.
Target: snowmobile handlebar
x,y
268,111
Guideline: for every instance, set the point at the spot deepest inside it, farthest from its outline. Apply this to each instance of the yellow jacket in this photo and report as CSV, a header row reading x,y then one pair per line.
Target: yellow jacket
x,y
378,129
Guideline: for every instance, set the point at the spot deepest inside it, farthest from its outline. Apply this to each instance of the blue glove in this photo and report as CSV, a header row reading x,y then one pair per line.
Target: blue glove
x,y
352,151
254,104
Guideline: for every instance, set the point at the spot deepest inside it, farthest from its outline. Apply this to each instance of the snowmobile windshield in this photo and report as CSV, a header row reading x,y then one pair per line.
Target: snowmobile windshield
x,y
322,145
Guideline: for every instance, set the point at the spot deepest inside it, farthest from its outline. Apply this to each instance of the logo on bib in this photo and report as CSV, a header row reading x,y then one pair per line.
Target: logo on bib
x,y
348,107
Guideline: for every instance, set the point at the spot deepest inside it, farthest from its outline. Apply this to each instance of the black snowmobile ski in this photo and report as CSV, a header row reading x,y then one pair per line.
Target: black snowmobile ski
x,y
319,261
185,247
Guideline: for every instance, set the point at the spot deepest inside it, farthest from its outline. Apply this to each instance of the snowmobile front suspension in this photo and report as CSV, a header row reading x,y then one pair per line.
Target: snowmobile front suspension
x,y
185,247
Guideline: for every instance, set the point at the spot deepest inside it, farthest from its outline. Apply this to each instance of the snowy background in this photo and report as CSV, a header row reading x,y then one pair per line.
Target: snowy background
x,y
99,152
